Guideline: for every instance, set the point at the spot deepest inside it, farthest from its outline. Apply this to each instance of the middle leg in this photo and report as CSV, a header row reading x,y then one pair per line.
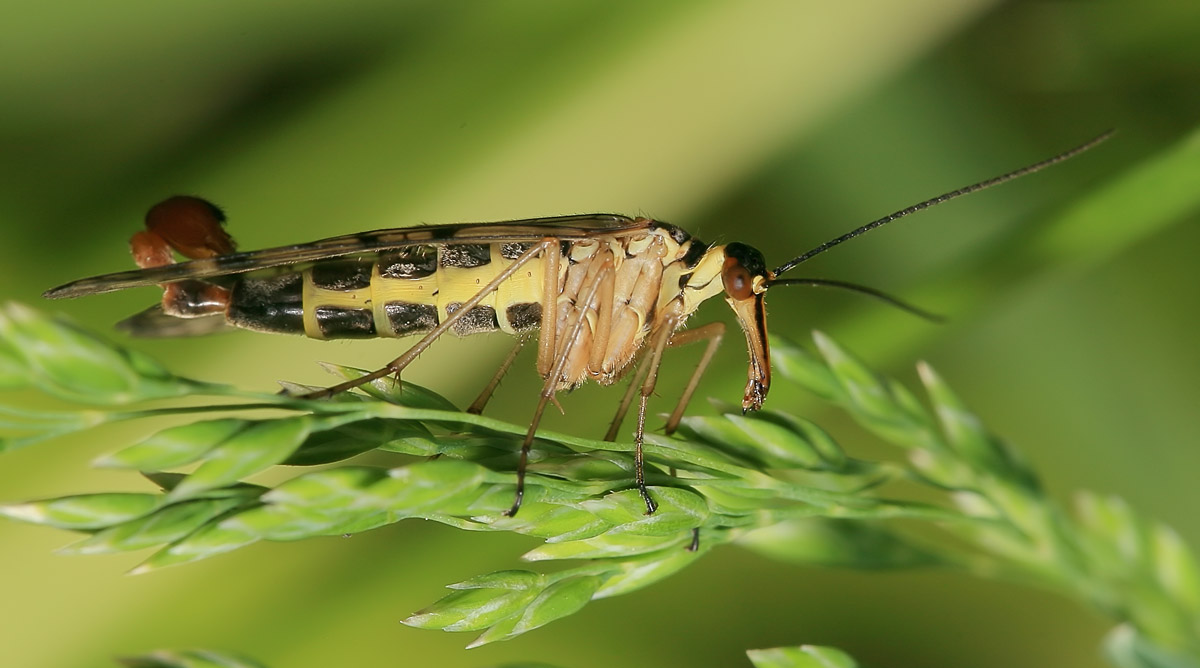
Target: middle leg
x,y
593,288
477,406
712,332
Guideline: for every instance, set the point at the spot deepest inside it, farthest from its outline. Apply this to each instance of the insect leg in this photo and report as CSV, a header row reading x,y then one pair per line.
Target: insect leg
x,y
547,333
398,364
712,332
602,327
626,401
659,343
480,402
550,387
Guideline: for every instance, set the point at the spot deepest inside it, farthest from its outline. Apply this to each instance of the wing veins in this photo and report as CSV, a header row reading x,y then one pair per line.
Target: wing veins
x,y
362,243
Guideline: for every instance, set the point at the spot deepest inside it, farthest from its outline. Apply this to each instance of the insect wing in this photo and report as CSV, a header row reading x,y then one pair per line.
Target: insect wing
x,y
154,323
363,243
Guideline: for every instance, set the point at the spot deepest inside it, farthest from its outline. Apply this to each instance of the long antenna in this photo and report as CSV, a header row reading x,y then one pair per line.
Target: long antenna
x,y
862,290
976,187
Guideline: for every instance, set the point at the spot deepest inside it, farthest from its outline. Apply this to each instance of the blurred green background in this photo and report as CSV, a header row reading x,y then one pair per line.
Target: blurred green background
x,y
780,124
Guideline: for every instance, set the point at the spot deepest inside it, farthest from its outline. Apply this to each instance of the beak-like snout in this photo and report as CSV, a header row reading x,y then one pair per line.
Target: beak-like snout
x,y
752,316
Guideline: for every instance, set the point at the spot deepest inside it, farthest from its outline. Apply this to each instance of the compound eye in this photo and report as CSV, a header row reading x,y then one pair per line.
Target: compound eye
x,y
739,284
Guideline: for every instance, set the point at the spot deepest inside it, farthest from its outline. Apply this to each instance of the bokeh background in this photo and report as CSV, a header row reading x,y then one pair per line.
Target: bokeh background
x,y
780,124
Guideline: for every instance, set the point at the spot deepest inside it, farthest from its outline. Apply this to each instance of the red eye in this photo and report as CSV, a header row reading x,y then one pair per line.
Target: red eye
x,y
738,282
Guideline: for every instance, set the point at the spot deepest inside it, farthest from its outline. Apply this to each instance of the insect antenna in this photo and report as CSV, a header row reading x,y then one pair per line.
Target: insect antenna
x,y
862,290
976,187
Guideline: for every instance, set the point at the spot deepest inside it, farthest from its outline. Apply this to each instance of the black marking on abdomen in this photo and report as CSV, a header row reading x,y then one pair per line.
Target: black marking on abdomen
x,y
524,317
270,304
466,256
411,262
336,322
342,275
514,250
406,318
478,319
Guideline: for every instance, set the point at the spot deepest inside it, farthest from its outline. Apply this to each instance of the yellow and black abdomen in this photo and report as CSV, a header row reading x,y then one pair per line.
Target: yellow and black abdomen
x,y
394,293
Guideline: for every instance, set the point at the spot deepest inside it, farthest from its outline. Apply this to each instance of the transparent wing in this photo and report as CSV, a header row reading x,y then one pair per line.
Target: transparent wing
x,y
153,323
533,229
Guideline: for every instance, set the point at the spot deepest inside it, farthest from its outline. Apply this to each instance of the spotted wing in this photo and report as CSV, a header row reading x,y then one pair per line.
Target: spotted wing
x,y
363,243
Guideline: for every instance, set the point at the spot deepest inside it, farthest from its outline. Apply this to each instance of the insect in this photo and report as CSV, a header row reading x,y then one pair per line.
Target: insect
x,y
602,293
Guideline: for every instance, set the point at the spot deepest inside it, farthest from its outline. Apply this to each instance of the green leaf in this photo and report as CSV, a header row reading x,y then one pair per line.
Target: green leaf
x,y
175,446
780,445
841,543
607,546
165,481
805,656
814,439
1175,567
803,368
279,522
735,500
966,434
882,405
555,522
348,440
597,465
777,483
250,450
163,526
864,389
43,427
332,488
208,541
169,481
72,364
496,449
766,438
718,430
84,511
692,456
480,602
329,502
634,573
1126,648
678,510
516,580
561,599
394,391
1116,535
428,485
189,658
14,373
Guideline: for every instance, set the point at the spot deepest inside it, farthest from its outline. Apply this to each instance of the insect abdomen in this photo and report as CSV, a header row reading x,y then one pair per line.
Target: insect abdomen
x,y
267,304
398,293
